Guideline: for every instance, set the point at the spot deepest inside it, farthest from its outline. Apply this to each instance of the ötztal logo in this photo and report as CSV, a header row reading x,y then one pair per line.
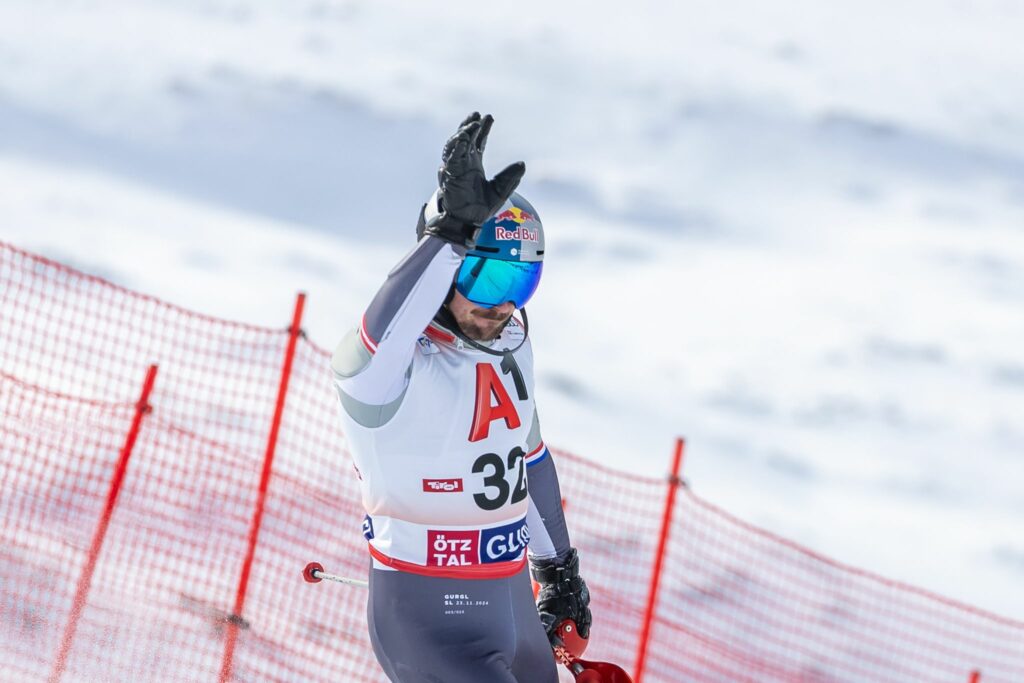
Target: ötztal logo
x,y
453,548
442,485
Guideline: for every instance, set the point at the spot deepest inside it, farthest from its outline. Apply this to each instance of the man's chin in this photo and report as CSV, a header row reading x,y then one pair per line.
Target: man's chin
x,y
490,333
481,336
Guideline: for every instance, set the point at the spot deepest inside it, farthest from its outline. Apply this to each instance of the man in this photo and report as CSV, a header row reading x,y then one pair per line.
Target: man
x,y
437,389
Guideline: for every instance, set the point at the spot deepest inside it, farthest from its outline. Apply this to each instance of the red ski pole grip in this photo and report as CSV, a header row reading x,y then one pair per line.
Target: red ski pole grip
x,y
572,641
310,572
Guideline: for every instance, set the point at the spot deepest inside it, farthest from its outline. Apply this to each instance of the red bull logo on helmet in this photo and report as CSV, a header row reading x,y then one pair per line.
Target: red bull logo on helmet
x,y
517,230
522,234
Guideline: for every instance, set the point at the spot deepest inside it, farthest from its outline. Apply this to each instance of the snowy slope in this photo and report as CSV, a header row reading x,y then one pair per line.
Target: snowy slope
x,y
791,232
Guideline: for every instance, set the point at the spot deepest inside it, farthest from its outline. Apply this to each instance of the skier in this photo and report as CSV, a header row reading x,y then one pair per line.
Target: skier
x,y
436,385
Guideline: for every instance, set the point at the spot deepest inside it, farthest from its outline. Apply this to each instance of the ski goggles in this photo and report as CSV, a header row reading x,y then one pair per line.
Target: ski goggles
x,y
490,282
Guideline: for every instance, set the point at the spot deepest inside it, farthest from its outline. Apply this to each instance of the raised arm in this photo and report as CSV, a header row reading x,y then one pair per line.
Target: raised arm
x,y
371,363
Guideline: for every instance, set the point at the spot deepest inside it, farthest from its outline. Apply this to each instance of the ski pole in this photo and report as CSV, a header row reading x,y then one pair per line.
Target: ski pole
x,y
314,573
568,647
567,654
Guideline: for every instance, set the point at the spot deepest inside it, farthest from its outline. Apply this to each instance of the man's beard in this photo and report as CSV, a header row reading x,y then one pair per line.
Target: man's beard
x,y
470,326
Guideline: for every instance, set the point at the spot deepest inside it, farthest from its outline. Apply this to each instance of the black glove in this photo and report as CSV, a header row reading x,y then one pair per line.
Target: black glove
x,y
466,198
563,594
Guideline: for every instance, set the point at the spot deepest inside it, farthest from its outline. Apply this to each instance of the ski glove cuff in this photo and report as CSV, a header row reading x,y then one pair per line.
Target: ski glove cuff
x,y
563,593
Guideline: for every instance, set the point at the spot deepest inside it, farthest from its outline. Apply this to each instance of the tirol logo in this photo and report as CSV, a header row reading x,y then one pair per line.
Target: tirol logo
x,y
509,225
453,548
505,543
368,528
442,485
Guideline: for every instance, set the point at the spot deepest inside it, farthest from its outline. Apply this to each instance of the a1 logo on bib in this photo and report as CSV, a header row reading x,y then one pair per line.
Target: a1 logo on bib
x,y
488,386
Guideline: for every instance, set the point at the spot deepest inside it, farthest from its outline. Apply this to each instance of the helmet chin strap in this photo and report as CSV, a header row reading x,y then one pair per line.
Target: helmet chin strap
x,y
446,318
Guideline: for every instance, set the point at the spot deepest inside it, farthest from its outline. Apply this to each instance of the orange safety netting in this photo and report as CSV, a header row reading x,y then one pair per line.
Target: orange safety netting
x,y
190,569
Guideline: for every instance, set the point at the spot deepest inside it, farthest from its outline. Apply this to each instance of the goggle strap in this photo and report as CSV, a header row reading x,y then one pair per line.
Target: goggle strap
x,y
445,317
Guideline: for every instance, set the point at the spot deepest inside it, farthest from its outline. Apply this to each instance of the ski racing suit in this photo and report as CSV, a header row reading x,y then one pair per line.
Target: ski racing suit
x,y
445,439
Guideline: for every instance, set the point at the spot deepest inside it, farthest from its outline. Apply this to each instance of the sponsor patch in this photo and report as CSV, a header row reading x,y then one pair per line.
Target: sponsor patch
x,y
368,528
427,347
510,225
521,233
504,543
453,548
442,485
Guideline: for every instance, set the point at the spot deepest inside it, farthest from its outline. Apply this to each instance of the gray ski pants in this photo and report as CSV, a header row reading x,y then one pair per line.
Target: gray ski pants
x,y
437,630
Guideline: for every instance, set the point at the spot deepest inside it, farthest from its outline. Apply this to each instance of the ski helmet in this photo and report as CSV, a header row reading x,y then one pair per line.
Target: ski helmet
x,y
505,261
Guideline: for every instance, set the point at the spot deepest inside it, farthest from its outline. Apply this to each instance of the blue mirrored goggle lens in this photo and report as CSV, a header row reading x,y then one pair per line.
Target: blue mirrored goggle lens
x,y
490,282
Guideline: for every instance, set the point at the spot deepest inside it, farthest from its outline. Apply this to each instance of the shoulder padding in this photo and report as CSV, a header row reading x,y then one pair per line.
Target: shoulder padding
x,y
350,357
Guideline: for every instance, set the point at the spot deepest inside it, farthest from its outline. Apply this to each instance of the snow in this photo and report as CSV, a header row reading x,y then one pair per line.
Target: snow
x,y
791,232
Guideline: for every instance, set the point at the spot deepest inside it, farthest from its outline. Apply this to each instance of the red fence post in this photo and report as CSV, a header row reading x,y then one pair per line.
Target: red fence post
x,y
652,596
261,497
85,580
